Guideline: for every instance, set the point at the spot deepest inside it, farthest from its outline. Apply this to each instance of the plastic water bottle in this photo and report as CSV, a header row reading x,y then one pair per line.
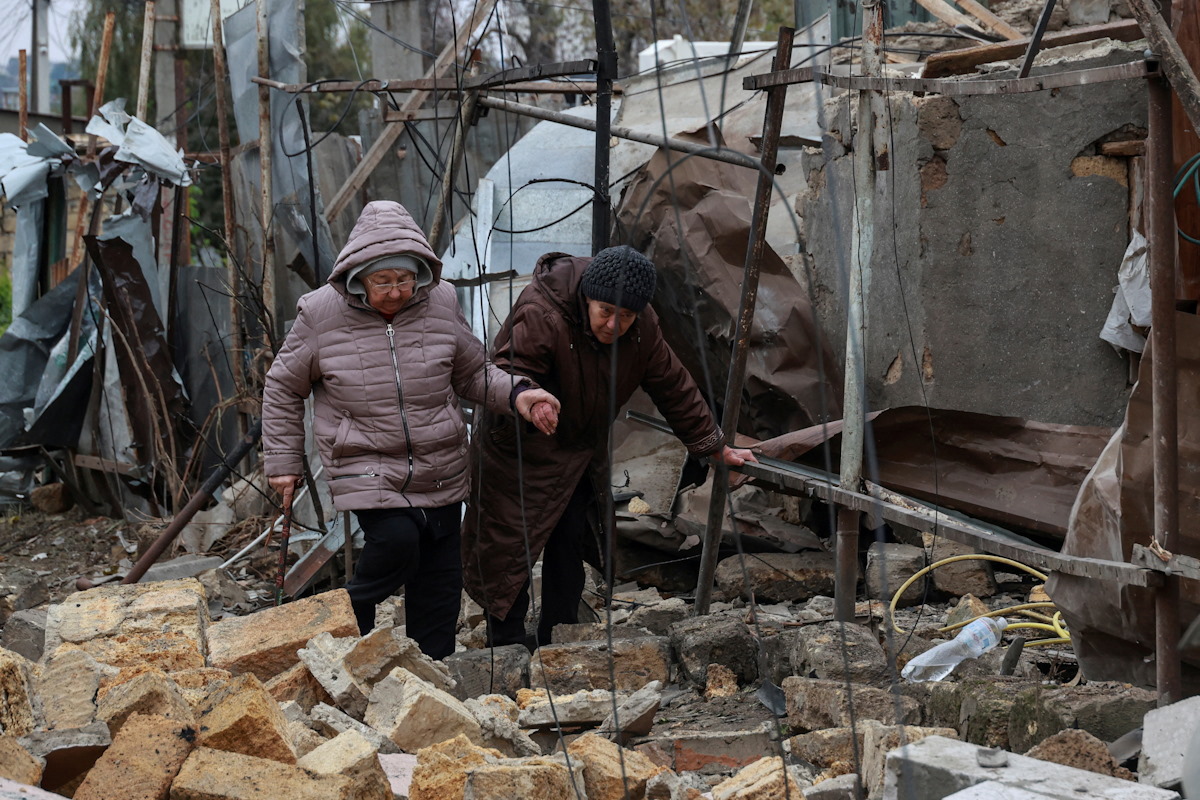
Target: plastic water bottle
x,y
972,641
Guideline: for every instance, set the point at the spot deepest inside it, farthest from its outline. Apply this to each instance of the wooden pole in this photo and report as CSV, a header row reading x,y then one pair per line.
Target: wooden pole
x,y
264,163
466,111
22,95
97,100
143,94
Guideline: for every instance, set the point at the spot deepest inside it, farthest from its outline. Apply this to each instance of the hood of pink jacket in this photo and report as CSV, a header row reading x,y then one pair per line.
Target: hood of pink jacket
x,y
384,228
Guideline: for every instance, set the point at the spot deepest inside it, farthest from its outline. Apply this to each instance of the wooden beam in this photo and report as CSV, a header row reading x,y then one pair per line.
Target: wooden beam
x,y
1125,149
959,62
985,15
143,90
387,138
946,13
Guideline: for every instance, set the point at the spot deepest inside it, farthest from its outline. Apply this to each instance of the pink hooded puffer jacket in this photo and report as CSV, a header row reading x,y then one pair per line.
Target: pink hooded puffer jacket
x,y
386,415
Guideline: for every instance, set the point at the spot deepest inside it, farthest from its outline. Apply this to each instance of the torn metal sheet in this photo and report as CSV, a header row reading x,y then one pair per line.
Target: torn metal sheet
x,y
695,227
1112,625
27,256
139,143
1131,299
139,235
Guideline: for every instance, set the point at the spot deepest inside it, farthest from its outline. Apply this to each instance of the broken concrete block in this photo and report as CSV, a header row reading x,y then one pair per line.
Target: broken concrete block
x,y
828,746
567,710
571,633
382,650
1166,734
1081,750
245,719
17,763
221,775
66,686
968,608
20,589
962,577
331,722
843,787
840,651
566,668
189,565
12,790
816,704
765,779
25,633
497,716
1105,710
296,684
708,752
441,769
399,769
880,740
659,617
723,639
499,670
666,785
68,753
323,656
937,767
414,714
889,565
143,759
197,685
634,715
304,739
350,755
152,693
542,776
265,643
610,772
16,694
720,681
776,577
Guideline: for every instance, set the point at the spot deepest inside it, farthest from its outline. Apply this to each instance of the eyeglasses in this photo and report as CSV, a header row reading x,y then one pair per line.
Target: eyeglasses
x,y
387,287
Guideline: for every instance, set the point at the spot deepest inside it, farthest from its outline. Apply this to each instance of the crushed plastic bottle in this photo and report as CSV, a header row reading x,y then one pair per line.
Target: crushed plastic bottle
x,y
971,642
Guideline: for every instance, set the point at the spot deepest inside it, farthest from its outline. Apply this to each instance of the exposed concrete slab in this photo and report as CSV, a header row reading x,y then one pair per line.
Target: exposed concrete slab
x,y
1166,735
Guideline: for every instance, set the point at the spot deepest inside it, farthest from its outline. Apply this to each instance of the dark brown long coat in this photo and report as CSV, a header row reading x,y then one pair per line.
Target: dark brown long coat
x,y
546,337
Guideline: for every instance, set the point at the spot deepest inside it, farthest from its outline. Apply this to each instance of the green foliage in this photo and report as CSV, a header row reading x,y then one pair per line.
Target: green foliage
x,y
334,41
5,300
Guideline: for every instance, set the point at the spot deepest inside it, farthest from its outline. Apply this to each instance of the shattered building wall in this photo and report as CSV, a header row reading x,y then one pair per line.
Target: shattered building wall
x,y
998,233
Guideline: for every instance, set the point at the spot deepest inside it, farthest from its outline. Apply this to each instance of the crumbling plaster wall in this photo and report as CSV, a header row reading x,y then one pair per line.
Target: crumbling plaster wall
x,y
1005,229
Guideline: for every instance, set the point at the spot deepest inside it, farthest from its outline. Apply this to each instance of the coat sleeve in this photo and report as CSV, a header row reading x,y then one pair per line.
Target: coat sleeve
x,y
677,396
527,346
474,377
288,382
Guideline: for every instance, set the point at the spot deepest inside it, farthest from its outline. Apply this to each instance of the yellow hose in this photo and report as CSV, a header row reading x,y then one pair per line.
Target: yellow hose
x,y
1036,626
1042,642
1023,608
951,560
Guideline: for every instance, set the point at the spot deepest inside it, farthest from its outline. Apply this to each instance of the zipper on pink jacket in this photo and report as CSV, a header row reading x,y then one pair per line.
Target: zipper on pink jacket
x,y
391,334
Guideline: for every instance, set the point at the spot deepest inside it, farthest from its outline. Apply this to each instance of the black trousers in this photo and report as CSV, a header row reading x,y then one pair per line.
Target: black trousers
x,y
562,579
417,548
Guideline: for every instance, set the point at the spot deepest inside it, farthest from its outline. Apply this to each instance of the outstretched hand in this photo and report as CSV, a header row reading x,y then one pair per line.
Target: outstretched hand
x,y
539,407
734,456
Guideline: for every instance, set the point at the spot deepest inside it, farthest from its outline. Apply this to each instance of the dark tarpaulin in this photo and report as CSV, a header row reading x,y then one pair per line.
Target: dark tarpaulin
x,y
695,226
1112,626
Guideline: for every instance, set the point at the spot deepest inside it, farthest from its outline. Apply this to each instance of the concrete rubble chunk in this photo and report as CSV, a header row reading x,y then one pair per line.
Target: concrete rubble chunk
x,y
265,643
151,692
776,577
382,650
399,769
188,565
221,775
143,759
441,769
843,787
1105,710
566,668
720,681
937,767
17,763
765,779
610,772
723,639
635,714
297,684
889,565
68,753
197,685
961,577
816,704
840,651
880,740
16,694
1167,733
826,747
572,633
566,710
323,656
66,686
245,719
330,721
707,751
350,755
25,633
497,716
304,739
968,608
1081,750
13,790
659,617
413,713
500,670
666,785
20,589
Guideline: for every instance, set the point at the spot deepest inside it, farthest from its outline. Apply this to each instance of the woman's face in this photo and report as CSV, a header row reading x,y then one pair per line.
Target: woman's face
x,y
389,289
608,322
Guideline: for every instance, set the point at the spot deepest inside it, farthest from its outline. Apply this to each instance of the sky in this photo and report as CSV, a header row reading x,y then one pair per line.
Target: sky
x,y
16,34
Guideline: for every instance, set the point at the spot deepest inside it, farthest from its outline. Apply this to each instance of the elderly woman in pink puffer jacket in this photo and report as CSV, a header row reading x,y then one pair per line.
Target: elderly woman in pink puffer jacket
x,y
386,354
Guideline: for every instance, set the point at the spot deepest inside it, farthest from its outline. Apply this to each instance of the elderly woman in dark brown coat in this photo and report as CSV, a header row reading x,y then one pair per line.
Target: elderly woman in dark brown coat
x,y
386,353
583,330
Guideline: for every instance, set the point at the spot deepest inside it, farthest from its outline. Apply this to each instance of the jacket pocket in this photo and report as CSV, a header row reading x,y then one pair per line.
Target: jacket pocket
x,y
339,438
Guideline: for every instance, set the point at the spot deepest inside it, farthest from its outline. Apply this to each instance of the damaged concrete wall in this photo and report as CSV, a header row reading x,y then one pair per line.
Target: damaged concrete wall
x,y
1005,227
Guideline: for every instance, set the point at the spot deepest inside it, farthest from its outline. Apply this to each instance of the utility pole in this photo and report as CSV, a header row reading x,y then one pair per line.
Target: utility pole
x,y
606,72
39,74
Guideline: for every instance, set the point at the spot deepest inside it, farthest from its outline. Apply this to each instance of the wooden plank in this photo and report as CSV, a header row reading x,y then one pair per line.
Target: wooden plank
x,y
106,465
958,88
946,13
960,62
1174,63
1126,149
985,15
1181,566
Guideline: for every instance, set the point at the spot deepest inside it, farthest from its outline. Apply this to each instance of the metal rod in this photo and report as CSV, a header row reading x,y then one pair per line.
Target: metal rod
x,y
1035,39
264,164
606,72
1160,229
22,96
445,203
312,189
737,38
772,122
679,145
143,91
274,524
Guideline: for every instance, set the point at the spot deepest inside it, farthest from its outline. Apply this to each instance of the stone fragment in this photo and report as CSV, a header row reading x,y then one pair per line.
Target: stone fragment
x,y
972,576
20,589
296,684
350,755
538,777
816,704
1079,749
25,633
151,692
11,790
188,565
243,718
442,768
567,710
143,759
16,694
499,670
399,769
968,608
828,746
706,751
53,498
68,753
265,643
666,785
497,716
889,565
67,686
382,650
225,594
17,763
1105,710
566,668
720,681
723,639
304,739
985,710
776,577
609,770
197,685
572,633
843,787
840,651
659,617
414,714
765,779
1167,734
331,722
880,740
323,656
634,715
209,774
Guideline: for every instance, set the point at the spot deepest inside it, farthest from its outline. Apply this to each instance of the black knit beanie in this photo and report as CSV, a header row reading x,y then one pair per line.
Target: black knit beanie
x,y
621,276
